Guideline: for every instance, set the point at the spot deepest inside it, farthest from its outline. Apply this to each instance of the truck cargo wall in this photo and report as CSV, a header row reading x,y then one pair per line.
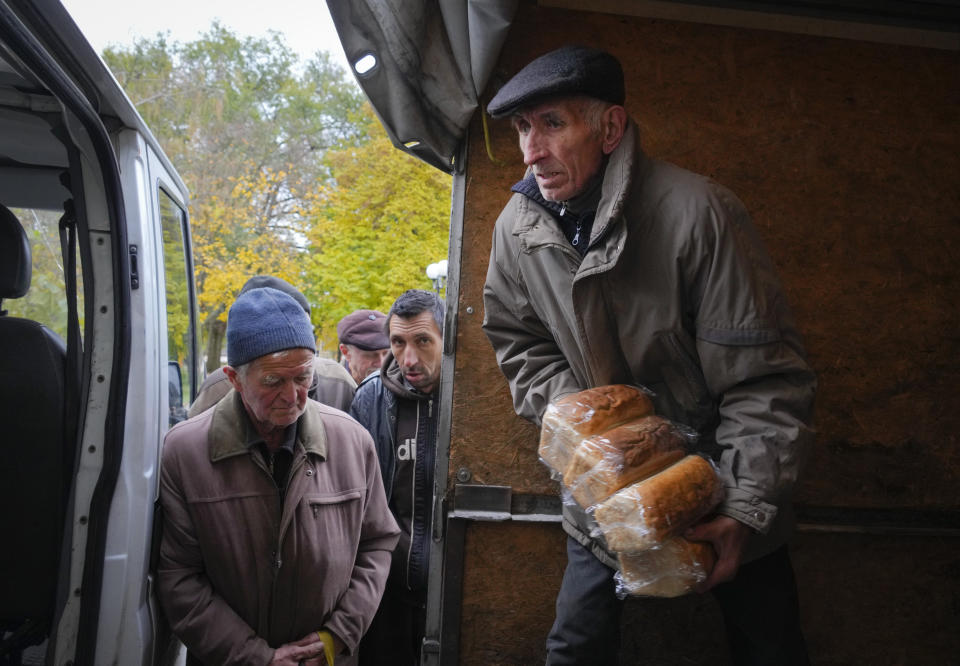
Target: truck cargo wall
x,y
847,155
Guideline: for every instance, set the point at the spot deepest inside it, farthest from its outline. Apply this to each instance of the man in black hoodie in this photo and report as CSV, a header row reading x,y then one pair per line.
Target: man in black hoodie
x,y
399,407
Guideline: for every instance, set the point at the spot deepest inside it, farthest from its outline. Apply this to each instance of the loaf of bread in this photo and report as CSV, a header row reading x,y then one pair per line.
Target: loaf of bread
x,y
605,463
672,570
647,513
570,419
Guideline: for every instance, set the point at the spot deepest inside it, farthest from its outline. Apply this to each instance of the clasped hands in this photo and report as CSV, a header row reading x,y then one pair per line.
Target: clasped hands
x,y
318,648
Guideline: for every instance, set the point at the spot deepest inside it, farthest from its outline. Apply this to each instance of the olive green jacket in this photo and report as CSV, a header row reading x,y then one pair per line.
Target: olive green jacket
x,y
675,293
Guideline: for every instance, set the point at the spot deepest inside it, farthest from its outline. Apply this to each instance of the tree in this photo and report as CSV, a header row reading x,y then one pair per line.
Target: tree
x,y
248,128
374,229
238,243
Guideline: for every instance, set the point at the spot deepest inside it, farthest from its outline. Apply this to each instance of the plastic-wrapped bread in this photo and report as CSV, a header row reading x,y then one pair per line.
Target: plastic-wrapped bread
x,y
672,570
647,513
574,417
605,463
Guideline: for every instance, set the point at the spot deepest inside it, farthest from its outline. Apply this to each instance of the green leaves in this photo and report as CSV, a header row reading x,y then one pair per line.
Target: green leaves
x,y
384,219
289,172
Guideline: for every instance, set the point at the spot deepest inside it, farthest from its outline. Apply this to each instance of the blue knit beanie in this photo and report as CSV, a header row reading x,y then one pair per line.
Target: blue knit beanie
x,y
263,321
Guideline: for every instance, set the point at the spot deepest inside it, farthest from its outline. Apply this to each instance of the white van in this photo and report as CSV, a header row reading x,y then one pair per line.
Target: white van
x,y
98,348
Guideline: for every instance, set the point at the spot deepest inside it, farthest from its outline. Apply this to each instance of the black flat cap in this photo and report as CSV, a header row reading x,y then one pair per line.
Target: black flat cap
x,y
364,329
570,70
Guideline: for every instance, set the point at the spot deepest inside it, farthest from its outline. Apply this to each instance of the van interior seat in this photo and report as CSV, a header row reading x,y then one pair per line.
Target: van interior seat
x,y
34,456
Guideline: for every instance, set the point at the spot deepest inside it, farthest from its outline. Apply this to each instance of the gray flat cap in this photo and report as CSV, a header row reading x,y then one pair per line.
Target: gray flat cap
x,y
570,70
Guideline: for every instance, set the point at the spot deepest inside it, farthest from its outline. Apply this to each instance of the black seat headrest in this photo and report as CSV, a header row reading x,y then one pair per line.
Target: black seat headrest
x,y
15,266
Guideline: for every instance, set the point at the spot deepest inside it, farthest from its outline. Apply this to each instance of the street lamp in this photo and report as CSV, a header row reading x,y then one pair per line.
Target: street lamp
x,y
438,274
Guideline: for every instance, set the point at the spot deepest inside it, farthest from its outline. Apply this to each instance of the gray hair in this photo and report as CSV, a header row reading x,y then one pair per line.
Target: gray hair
x,y
592,110
242,371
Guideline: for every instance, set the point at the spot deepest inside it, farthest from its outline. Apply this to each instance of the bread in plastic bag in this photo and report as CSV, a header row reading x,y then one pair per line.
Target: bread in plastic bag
x,y
672,570
574,417
603,464
647,513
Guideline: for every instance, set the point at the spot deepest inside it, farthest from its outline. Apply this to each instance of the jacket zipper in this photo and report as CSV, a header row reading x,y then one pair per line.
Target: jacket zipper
x,y
277,562
413,500
576,233
276,559
295,465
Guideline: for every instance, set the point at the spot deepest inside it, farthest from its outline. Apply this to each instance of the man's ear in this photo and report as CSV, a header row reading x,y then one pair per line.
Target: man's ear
x,y
614,125
231,374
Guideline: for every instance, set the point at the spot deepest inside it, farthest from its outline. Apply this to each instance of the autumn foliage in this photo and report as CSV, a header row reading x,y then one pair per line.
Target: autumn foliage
x,y
289,174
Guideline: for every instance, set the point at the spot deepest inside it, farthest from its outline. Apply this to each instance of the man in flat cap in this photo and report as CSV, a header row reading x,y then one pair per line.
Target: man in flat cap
x,y
400,407
608,267
363,342
332,384
277,537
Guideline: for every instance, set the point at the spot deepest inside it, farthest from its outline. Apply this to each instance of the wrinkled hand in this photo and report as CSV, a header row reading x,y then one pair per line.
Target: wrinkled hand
x,y
315,644
307,651
729,538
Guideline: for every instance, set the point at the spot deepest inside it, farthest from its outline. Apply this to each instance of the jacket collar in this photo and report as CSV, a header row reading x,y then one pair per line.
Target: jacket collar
x,y
229,426
617,180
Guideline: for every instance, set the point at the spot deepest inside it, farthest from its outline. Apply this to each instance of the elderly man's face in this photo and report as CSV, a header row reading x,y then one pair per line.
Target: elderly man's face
x,y
417,344
560,147
362,361
274,387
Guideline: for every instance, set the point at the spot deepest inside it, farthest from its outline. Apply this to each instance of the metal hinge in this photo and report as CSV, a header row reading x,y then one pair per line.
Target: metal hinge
x,y
134,268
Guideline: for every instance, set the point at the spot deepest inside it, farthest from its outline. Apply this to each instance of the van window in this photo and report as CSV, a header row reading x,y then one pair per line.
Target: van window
x,y
46,300
181,322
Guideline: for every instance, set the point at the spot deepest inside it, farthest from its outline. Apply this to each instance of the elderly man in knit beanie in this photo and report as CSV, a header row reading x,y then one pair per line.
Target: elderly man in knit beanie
x,y
268,494
332,383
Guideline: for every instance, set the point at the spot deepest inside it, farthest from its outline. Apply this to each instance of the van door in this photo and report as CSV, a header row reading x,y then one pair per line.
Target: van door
x,y
94,245
163,370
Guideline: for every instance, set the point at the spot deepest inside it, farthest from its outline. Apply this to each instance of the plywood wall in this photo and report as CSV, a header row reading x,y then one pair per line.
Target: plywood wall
x,y
847,155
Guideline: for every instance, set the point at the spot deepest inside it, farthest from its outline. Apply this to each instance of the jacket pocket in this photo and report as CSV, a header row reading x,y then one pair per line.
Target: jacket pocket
x,y
318,502
330,527
321,551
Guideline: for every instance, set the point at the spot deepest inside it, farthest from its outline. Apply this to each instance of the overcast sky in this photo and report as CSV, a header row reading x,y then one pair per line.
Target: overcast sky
x,y
305,24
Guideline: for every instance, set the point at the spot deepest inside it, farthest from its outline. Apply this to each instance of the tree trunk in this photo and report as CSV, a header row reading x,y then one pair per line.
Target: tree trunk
x,y
216,330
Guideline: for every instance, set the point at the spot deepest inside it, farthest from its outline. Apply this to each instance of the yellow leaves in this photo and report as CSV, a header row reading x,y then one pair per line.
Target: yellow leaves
x,y
238,236
246,128
385,219
290,174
